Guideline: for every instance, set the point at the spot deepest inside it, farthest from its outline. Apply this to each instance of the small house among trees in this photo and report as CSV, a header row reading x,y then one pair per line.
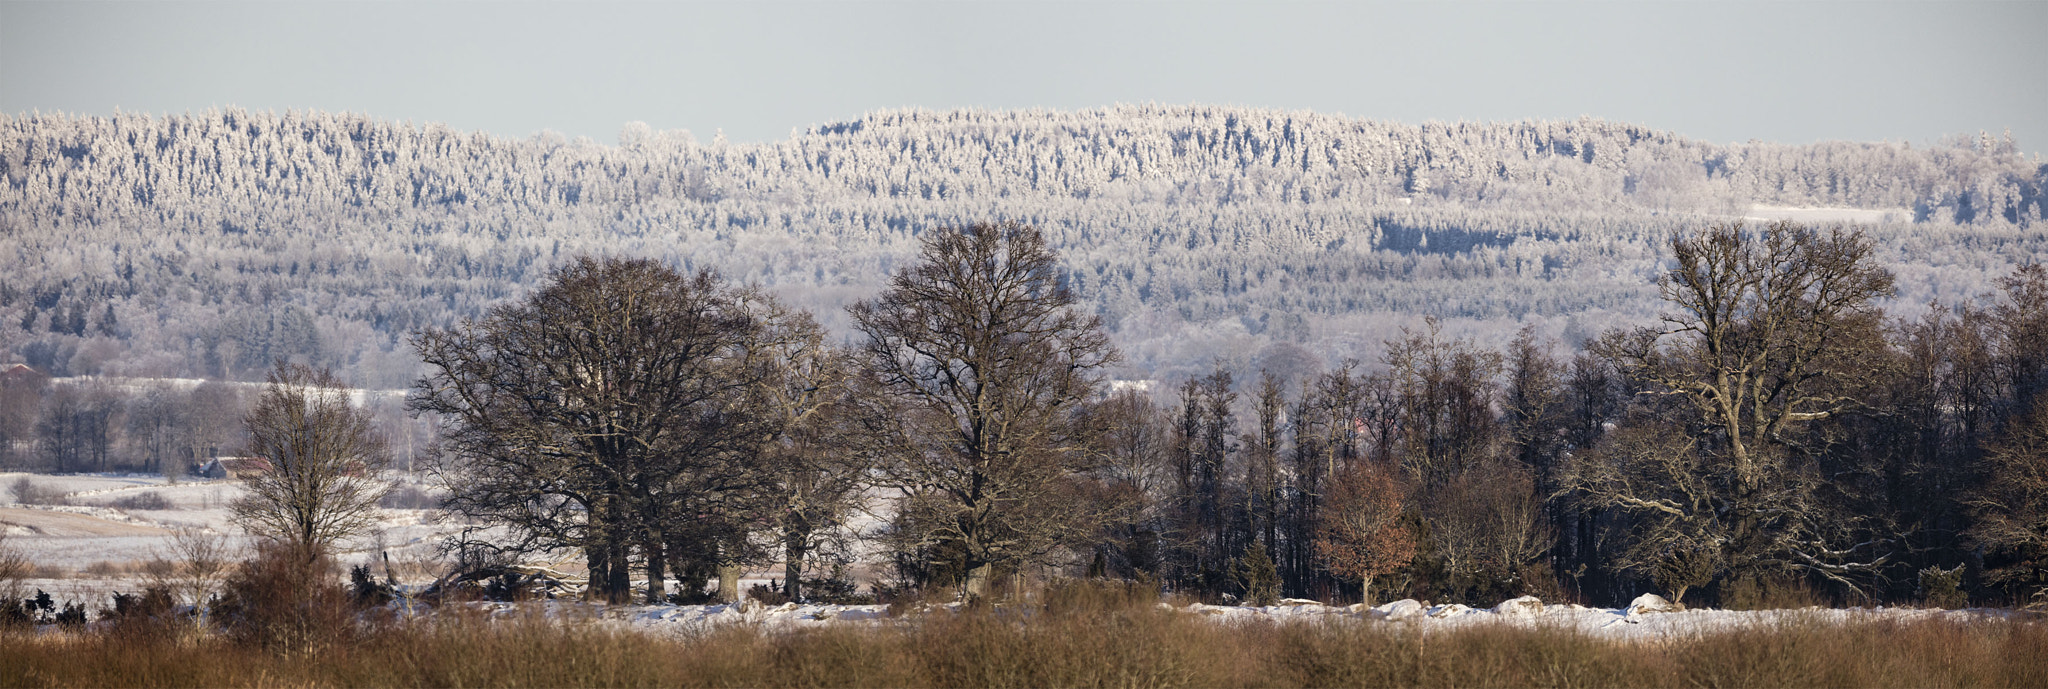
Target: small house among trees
x,y
11,374
238,468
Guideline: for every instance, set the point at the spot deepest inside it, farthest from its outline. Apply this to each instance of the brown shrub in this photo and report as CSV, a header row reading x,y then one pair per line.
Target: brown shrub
x,y
147,617
1771,593
280,601
1085,597
27,492
146,500
109,568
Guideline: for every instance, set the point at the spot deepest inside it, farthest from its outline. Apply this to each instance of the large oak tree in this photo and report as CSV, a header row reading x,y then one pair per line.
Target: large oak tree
x,y
1769,340
980,343
615,411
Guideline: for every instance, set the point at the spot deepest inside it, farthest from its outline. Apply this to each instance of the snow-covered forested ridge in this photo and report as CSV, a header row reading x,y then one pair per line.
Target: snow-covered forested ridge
x,y
210,244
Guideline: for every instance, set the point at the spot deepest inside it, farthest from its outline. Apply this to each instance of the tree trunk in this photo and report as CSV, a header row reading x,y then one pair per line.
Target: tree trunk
x,y
1365,591
793,566
657,579
618,589
977,580
729,583
597,558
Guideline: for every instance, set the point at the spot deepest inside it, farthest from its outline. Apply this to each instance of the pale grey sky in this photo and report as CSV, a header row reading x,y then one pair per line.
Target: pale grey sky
x,y
1719,71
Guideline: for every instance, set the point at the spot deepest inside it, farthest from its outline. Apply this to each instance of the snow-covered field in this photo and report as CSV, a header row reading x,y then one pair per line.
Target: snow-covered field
x,y
87,549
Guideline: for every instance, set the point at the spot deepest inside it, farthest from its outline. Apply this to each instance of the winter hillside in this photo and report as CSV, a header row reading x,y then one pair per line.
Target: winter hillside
x,y
207,245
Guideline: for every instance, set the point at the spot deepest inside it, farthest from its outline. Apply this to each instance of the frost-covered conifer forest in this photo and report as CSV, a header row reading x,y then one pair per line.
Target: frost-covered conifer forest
x,y
1265,359
207,245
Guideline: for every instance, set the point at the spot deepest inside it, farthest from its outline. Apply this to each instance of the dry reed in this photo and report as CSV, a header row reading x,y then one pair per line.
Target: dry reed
x,y
1080,639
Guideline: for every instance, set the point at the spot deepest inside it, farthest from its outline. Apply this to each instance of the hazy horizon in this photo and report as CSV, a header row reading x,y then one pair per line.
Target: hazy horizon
x,y
1786,72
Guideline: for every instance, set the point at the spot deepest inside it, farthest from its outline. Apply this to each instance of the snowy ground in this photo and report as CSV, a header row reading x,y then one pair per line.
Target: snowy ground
x,y
1640,622
1649,618
86,549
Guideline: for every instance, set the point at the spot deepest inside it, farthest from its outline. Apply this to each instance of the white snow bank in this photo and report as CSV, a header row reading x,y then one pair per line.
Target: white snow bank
x,y
693,619
1649,603
1526,605
1527,612
1399,610
1450,610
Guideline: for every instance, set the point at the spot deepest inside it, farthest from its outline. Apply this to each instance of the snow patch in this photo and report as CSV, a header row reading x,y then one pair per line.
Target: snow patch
x,y
1649,603
1526,613
1399,610
1526,605
1450,610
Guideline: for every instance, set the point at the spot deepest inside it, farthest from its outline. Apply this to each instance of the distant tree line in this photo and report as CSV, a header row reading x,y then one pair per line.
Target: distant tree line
x,y
1775,430
168,427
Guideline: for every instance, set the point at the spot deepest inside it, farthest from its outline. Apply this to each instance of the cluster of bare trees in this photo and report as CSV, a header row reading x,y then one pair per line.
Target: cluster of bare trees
x,y
156,426
680,425
1776,429
621,411
1404,473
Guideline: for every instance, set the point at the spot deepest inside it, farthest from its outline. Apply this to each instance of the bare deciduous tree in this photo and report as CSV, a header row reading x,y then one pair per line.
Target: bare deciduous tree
x,y
197,563
614,411
1656,474
1486,527
153,420
1764,345
980,342
1447,392
321,485
1134,471
821,445
21,395
2012,507
2021,320
78,425
212,422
